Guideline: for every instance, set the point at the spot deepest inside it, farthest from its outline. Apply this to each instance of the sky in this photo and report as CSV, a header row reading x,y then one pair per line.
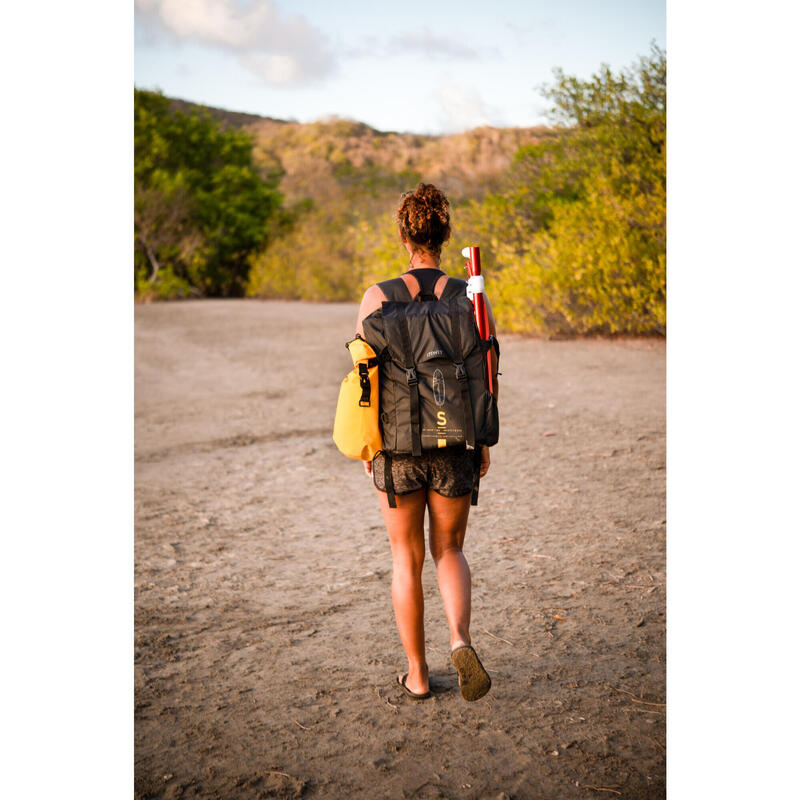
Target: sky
x,y
424,67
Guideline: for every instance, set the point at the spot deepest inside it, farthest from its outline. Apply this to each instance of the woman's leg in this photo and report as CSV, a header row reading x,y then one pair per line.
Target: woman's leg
x,y
448,524
405,525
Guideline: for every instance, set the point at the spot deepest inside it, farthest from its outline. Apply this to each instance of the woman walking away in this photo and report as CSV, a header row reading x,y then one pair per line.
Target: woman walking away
x,y
433,424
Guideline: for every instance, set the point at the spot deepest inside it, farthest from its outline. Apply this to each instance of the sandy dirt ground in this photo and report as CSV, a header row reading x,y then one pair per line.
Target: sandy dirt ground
x,y
266,649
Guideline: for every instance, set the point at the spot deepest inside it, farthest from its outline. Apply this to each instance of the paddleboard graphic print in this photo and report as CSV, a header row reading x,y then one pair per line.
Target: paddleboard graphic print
x,y
438,388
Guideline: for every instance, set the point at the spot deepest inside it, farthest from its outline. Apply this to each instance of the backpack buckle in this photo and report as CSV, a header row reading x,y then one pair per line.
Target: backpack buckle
x,y
363,379
461,373
411,376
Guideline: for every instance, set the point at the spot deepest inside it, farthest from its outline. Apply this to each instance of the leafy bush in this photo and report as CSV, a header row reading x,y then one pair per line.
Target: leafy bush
x,y
576,243
330,250
573,237
201,207
573,234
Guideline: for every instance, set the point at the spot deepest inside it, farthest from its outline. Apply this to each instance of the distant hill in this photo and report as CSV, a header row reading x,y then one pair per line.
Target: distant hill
x,y
236,119
571,221
314,154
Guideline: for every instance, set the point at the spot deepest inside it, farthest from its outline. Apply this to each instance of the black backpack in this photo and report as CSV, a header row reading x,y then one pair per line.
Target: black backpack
x,y
432,371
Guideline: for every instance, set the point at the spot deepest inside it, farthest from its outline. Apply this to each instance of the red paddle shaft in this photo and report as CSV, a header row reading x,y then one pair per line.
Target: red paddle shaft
x,y
481,314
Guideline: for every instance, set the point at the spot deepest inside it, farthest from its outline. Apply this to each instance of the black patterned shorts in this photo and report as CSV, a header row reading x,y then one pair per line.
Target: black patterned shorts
x,y
448,471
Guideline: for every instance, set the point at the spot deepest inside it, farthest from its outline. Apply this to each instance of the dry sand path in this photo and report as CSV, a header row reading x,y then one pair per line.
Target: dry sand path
x,y
266,648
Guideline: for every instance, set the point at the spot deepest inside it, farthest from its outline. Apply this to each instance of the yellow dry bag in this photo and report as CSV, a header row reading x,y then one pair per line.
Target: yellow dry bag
x,y
356,429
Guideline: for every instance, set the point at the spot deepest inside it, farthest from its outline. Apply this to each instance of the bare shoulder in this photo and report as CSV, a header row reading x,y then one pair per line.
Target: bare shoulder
x,y
374,294
371,301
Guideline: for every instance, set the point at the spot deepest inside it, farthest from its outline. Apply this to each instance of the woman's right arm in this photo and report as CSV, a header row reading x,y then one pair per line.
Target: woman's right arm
x,y
371,301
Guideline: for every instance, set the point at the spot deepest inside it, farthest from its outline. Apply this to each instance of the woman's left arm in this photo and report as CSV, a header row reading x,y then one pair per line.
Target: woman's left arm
x,y
485,457
493,331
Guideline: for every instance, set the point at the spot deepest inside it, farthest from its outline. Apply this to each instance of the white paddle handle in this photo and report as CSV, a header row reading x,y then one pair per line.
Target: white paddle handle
x,y
475,286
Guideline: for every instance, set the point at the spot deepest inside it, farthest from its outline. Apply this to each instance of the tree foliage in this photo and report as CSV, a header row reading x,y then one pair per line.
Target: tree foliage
x,y
573,234
201,207
333,247
576,242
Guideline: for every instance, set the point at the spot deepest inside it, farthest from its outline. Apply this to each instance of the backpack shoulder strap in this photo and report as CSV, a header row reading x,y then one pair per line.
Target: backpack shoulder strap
x,y
395,289
463,380
426,279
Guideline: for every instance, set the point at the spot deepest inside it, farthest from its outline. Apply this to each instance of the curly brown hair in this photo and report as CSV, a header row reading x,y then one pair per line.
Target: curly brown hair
x,y
423,217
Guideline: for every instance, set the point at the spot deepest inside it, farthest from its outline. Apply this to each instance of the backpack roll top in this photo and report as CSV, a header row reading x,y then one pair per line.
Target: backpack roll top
x,y
356,428
435,329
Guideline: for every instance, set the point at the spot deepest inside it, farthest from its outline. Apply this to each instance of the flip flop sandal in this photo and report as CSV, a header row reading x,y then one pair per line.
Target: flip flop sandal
x,y
402,683
473,679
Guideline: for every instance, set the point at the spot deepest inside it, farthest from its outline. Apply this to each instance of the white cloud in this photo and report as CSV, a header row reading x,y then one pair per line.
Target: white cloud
x,y
283,51
422,43
462,108
276,68
432,46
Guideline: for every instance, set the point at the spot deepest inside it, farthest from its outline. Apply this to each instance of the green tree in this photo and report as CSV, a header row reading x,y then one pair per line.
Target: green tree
x,y
577,237
201,207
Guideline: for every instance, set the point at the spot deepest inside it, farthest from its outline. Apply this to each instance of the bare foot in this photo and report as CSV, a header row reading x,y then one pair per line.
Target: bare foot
x,y
417,680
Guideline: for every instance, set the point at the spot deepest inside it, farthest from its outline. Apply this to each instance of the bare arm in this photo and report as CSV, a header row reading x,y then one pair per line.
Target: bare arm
x,y
485,457
493,331
371,301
